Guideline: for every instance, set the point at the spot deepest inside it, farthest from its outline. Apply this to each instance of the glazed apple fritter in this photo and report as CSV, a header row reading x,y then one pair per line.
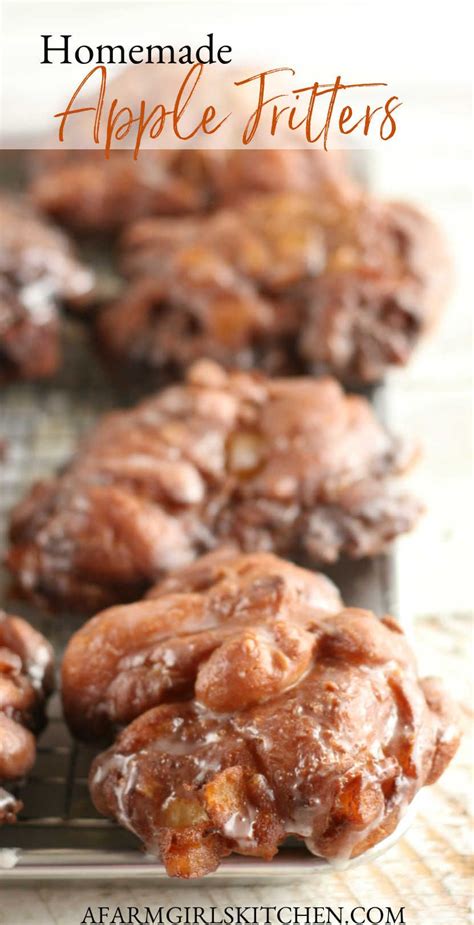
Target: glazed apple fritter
x,y
308,719
338,282
292,466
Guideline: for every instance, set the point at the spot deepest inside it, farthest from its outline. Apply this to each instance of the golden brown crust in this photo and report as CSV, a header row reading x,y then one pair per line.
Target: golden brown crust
x,y
306,720
339,282
292,466
225,608
26,679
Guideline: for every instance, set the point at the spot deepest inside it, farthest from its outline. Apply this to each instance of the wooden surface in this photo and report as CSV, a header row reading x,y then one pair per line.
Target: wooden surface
x,y
428,872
